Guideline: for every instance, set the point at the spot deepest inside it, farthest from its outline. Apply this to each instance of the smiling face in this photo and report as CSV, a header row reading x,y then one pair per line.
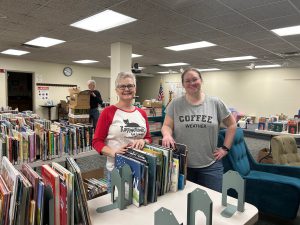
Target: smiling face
x,y
126,89
192,82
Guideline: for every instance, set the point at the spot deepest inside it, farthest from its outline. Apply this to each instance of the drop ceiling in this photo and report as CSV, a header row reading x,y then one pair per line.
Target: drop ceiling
x,y
237,27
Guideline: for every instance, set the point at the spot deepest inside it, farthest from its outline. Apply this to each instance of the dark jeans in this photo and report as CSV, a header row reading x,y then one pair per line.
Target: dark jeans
x,y
94,115
210,177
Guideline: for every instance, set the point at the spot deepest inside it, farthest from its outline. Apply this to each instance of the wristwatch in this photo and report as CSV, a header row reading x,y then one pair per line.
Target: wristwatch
x,y
225,148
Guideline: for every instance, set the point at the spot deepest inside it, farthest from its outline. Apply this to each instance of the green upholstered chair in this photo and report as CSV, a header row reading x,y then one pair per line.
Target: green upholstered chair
x,y
273,189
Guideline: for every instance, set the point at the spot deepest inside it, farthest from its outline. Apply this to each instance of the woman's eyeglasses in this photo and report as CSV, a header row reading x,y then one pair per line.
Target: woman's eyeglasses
x,y
128,86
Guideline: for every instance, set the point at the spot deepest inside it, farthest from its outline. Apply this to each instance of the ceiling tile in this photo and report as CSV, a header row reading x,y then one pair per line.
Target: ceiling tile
x,y
278,9
243,5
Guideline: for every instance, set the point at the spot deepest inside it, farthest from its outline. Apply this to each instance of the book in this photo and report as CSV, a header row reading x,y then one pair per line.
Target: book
x,y
5,201
12,179
152,166
40,203
69,179
137,171
51,181
81,213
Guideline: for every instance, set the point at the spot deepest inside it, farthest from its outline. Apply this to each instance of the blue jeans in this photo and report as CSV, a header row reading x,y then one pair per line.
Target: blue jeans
x,y
210,177
94,116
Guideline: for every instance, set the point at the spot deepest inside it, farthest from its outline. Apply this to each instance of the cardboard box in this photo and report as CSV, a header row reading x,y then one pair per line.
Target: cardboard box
x,y
77,111
156,104
78,120
147,103
97,174
80,100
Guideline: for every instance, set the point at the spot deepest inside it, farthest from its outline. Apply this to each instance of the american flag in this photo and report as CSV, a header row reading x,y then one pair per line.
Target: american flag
x,y
160,96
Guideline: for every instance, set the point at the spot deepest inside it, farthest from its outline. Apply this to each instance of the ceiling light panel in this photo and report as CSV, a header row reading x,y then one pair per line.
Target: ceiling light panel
x,y
235,58
174,64
167,72
132,56
14,52
286,31
194,45
85,61
208,69
44,42
266,66
103,21
135,55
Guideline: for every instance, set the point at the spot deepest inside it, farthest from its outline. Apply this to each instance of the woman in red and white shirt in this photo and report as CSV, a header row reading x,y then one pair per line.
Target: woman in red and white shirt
x,y
121,125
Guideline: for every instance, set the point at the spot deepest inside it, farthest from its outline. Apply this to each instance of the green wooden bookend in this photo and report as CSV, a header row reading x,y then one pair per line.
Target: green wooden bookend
x,y
233,180
118,180
164,216
199,200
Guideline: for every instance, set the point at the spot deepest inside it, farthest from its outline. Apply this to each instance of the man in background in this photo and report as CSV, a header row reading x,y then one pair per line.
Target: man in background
x,y
95,101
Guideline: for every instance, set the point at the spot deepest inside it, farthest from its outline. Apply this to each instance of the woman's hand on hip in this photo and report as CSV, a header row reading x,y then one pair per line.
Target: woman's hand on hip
x,y
220,153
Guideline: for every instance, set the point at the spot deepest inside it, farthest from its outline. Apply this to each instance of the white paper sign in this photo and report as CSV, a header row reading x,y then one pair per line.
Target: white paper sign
x,y
43,92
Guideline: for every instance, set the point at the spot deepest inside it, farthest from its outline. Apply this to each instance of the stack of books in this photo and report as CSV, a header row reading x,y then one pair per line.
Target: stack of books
x,y
156,170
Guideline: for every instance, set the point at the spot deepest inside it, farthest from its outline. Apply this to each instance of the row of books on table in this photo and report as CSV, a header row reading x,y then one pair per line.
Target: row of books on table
x,y
57,197
156,171
22,143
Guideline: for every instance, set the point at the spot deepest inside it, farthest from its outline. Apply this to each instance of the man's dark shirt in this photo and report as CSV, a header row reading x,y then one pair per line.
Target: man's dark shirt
x,y
95,101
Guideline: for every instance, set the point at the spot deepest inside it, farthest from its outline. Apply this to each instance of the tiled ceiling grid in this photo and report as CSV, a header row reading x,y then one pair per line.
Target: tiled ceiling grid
x,y
237,27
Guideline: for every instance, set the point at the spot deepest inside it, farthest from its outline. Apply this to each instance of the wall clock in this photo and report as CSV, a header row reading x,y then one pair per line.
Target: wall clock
x,y
67,71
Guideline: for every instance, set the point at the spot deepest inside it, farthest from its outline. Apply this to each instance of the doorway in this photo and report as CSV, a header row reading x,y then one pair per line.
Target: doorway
x,y
19,90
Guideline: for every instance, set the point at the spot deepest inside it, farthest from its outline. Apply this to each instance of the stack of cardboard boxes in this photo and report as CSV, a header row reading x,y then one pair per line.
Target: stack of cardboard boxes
x,y
79,106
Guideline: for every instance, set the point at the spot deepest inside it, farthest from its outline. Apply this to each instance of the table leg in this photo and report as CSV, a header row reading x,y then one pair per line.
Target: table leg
x,y
49,113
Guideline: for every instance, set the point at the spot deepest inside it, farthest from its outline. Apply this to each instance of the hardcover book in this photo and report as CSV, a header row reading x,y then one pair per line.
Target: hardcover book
x,y
51,181
137,172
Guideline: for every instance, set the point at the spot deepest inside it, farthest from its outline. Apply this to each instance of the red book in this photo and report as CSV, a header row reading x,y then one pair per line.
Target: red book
x,y
51,179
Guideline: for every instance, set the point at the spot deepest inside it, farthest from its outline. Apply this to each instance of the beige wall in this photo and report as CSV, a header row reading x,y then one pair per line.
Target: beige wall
x,y
260,92
48,73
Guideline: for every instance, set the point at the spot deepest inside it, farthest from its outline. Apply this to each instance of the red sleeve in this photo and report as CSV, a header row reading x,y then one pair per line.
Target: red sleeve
x,y
101,132
147,136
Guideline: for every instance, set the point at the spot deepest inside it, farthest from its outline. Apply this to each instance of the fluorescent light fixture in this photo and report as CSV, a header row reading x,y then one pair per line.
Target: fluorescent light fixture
x,y
174,64
135,55
286,31
208,69
167,72
14,52
103,21
201,44
235,58
44,42
85,61
132,55
265,66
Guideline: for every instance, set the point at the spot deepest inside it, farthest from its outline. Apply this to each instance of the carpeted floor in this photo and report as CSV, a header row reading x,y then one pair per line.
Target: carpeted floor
x,y
254,145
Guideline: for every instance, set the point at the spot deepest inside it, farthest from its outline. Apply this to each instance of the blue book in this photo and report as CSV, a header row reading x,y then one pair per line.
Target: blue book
x,y
152,165
137,169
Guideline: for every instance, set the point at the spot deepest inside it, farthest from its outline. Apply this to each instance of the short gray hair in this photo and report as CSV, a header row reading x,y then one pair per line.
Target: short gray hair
x,y
91,82
124,75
